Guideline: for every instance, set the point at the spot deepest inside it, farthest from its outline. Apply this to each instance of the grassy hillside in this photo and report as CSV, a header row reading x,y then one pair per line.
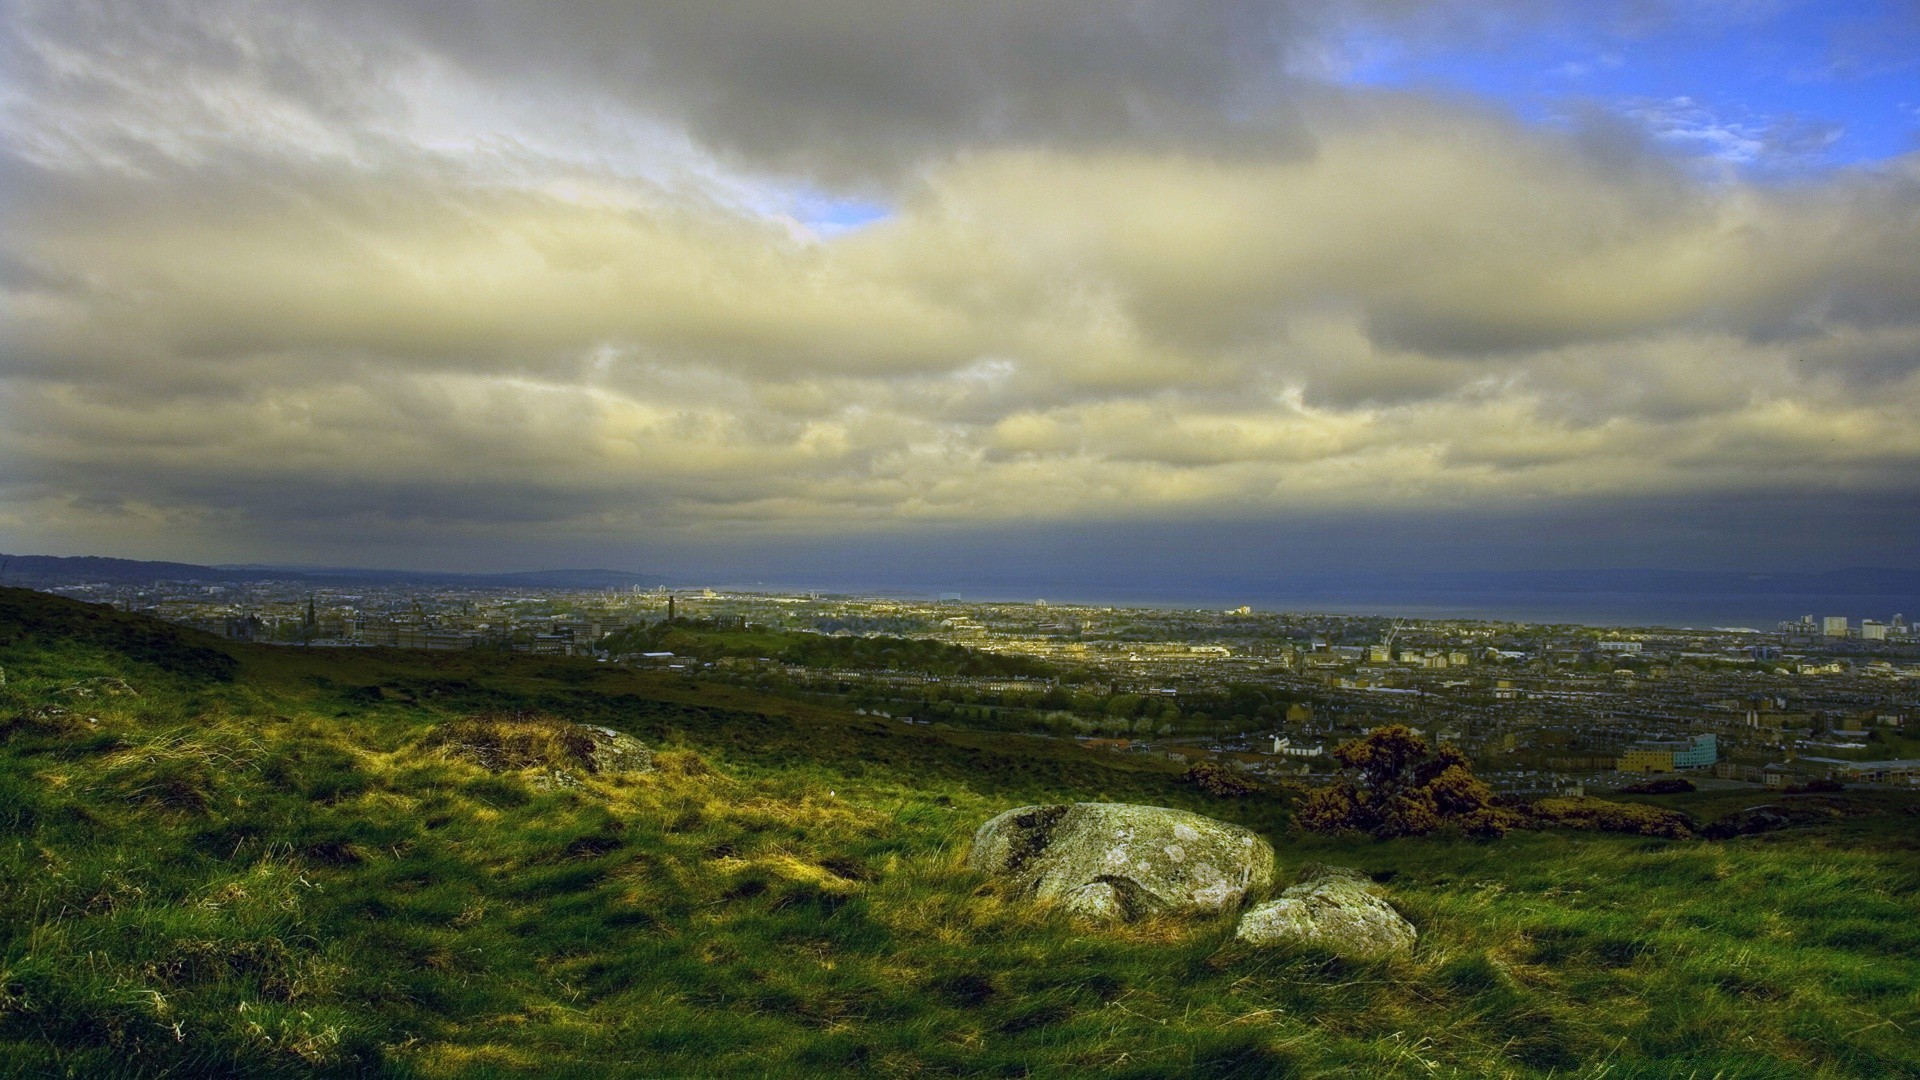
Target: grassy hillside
x,y
263,864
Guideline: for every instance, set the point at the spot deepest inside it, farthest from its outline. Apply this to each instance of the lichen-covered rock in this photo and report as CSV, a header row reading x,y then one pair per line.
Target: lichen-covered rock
x,y
1116,862
605,752
1333,908
615,752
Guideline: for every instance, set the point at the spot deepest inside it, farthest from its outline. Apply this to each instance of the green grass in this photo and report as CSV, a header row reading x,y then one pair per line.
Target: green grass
x,y
268,868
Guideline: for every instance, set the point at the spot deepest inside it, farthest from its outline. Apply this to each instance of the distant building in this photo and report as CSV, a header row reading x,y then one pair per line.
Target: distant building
x,y
1699,752
1620,646
1873,631
1903,772
1834,626
422,638
551,644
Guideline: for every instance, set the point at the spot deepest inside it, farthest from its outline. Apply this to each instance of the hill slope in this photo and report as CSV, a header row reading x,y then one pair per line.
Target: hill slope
x,y
274,864
46,570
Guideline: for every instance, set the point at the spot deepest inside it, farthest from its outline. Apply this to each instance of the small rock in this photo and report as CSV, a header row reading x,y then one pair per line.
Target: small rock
x,y
1333,908
1116,862
103,686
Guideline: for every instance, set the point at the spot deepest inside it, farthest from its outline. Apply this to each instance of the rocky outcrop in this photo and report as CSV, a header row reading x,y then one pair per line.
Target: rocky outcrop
x,y
1117,862
1333,908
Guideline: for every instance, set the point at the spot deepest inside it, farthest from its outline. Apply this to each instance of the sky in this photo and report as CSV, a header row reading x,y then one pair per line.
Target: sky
x,y
947,285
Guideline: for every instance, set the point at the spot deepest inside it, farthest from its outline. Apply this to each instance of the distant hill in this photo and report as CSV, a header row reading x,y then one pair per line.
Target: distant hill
x,y
44,570
30,619
62,570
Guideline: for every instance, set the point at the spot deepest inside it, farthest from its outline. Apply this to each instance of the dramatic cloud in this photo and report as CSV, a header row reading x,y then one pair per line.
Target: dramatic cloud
x,y
281,278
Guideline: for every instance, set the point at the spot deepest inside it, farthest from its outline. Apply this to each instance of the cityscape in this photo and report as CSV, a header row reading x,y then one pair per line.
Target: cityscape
x,y
1539,707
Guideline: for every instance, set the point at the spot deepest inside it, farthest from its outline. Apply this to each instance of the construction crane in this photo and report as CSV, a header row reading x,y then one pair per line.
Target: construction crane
x,y
1392,632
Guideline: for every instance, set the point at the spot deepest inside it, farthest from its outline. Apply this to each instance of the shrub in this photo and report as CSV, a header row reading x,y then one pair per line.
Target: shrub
x,y
1590,813
1820,786
1220,780
1393,783
1666,785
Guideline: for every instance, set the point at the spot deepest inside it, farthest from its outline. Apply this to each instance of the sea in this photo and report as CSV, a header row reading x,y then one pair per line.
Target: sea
x,y
1584,607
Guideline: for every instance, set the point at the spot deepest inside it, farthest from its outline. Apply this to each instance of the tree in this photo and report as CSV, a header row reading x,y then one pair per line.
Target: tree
x,y
1392,783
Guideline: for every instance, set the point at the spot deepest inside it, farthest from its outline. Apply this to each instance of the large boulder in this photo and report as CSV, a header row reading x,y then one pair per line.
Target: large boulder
x,y
1332,908
1113,861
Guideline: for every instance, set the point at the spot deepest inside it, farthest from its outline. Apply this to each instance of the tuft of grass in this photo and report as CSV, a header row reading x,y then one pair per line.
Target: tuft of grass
x,y
505,741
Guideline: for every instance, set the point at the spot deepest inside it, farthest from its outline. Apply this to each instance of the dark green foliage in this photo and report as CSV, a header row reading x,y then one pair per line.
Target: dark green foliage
x,y
1591,813
709,641
1220,781
1819,786
1392,783
1666,785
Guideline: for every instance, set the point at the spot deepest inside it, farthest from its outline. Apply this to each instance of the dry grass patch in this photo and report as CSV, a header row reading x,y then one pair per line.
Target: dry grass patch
x,y
507,742
174,772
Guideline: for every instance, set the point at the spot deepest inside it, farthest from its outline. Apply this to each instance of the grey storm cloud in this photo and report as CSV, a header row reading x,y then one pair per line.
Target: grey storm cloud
x,y
845,85
276,274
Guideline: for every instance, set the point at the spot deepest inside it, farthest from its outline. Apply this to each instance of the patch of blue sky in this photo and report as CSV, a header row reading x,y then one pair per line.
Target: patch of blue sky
x,y
830,215
1787,85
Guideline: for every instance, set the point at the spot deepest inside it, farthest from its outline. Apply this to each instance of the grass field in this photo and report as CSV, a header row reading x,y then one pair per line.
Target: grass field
x,y
260,865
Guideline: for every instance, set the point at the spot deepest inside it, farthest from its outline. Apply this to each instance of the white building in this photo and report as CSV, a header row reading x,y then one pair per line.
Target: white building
x,y
1285,748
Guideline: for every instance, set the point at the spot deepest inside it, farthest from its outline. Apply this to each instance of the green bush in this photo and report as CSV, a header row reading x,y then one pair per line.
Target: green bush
x,y
1393,783
1589,813
1666,785
1220,781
